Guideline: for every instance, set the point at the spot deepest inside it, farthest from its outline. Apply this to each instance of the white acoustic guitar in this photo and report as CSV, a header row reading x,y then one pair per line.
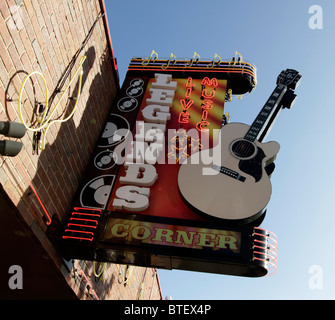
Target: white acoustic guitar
x,y
236,186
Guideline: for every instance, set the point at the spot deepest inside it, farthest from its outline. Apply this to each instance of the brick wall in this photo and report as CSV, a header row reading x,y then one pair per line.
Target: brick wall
x,y
117,282
50,36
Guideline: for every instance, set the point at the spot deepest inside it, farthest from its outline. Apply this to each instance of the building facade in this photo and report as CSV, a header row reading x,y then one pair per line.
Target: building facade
x,y
42,45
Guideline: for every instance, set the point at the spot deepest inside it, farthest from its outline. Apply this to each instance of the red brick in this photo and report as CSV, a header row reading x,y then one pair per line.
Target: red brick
x,y
75,36
43,194
58,57
30,31
81,33
26,62
49,72
14,32
43,176
55,25
31,170
7,61
63,35
24,157
47,42
27,44
38,52
67,188
3,117
28,7
37,30
38,13
60,194
6,37
2,101
4,10
14,56
12,192
27,106
46,17
62,15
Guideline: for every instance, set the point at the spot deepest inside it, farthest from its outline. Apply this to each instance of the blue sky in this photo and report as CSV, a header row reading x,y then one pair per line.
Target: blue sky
x,y
274,35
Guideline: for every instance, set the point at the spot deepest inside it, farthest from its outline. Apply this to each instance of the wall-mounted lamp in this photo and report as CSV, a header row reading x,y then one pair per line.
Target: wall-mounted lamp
x,y
13,130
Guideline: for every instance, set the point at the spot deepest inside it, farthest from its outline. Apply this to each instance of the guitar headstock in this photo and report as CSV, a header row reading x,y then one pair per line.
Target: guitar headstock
x,y
289,78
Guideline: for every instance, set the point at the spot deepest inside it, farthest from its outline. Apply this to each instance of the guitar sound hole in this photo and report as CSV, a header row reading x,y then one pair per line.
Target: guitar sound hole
x,y
243,149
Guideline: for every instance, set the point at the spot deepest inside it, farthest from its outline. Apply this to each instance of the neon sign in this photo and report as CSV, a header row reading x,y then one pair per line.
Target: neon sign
x,y
186,103
135,232
81,219
144,152
184,142
207,95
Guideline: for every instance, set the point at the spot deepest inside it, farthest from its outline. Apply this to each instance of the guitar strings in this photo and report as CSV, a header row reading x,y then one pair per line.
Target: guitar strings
x,y
251,142
245,146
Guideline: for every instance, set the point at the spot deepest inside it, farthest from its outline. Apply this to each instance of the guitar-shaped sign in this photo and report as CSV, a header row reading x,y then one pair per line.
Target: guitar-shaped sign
x,y
235,186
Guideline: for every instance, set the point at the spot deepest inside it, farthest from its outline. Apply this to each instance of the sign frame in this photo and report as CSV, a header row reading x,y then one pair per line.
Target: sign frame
x,y
83,235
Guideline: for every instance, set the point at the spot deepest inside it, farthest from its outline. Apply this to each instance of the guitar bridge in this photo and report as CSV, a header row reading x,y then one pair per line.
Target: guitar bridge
x,y
228,172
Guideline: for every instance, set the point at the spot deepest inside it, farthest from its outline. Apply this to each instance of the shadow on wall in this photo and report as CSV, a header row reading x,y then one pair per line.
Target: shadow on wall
x,y
61,165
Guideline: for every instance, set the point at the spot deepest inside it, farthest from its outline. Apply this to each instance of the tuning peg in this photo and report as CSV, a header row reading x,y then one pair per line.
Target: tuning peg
x,y
288,99
296,82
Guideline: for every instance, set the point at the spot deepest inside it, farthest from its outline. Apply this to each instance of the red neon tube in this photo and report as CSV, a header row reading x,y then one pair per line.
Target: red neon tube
x,y
90,291
88,209
88,220
86,214
34,190
81,225
78,238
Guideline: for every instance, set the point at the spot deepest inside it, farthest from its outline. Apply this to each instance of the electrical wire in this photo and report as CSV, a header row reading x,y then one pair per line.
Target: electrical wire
x,y
90,289
102,272
47,122
141,289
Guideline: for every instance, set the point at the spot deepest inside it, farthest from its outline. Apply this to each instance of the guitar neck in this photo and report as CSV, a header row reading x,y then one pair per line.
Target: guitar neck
x,y
262,124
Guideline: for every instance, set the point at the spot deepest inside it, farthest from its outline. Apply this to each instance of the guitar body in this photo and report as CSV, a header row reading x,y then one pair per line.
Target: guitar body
x,y
234,185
